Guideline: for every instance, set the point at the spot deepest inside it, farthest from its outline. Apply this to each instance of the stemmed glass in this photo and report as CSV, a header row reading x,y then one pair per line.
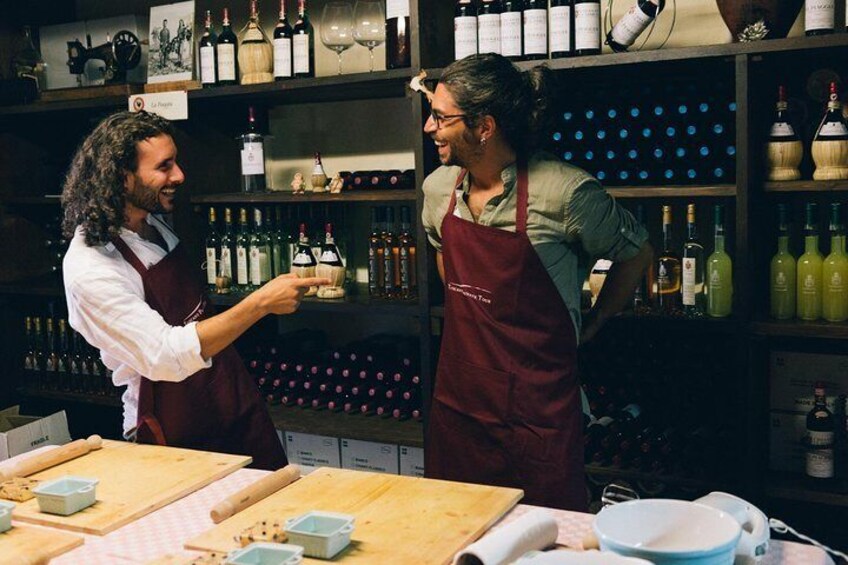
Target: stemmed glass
x,y
370,28
337,28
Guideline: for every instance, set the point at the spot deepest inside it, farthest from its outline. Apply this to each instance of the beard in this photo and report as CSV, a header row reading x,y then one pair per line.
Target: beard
x,y
463,152
145,197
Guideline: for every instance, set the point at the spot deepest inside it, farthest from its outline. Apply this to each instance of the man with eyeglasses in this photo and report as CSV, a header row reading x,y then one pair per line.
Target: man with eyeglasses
x,y
516,232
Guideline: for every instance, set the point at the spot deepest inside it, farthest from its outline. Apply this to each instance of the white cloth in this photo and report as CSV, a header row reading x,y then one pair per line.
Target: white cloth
x,y
106,306
535,530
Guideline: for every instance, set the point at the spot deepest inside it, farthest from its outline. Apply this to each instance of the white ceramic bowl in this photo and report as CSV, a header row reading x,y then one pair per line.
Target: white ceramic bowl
x,y
668,532
572,557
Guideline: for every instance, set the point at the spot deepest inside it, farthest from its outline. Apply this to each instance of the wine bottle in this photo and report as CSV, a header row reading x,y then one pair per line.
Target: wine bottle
x,y
213,247
75,363
587,27
692,268
819,17
784,148
535,29
225,50
283,34
809,285
29,355
407,256
303,43
243,253
830,144
668,270
303,261
51,357
207,53
391,254
561,28
319,177
330,264
719,273
489,27
375,254
511,29
398,34
782,272
464,29
256,53
633,23
228,266
835,271
260,253
821,427
63,359
252,156
279,241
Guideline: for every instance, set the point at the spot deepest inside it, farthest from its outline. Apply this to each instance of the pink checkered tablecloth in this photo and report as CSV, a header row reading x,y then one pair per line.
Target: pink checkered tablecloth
x,y
165,530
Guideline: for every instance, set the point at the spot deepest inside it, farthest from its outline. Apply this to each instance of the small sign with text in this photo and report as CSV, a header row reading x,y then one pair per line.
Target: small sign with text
x,y
170,105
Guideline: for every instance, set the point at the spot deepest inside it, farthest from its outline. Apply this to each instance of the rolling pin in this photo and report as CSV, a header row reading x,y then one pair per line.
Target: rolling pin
x,y
251,494
52,458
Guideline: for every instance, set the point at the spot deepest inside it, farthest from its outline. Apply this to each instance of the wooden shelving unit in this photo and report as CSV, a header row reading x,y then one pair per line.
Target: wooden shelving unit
x,y
799,328
787,486
286,197
694,191
807,186
72,397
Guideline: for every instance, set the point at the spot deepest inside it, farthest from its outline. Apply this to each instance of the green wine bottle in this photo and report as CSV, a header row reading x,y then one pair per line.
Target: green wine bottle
x,y
835,272
782,272
809,288
719,273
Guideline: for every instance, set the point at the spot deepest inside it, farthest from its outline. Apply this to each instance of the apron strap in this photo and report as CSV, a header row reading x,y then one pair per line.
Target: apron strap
x,y
459,179
129,256
521,203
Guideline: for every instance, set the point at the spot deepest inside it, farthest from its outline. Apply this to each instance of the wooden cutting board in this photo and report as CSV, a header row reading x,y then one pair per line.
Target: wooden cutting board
x,y
24,545
398,519
134,479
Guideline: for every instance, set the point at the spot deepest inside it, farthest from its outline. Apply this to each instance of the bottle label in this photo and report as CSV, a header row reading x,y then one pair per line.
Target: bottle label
x,y
226,263
820,463
397,9
241,266
630,26
301,54
781,282
255,266
405,269
820,439
283,57
329,257
535,32
836,284
373,270
560,29
207,64
819,14
489,33
226,61
809,286
211,265
511,34
587,26
253,159
833,129
464,36
689,283
715,280
303,259
782,129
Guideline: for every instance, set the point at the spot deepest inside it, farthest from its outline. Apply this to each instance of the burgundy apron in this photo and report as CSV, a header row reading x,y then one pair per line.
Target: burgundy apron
x,y
506,408
215,409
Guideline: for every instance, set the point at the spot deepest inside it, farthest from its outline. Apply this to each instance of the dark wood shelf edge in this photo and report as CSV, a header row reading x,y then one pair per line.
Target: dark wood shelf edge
x,y
29,200
347,426
785,486
683,191
42,286
78,398
807,186
798,328
670,480
285,197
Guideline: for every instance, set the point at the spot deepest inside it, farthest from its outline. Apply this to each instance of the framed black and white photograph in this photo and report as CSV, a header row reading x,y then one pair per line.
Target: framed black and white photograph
x,y
171,42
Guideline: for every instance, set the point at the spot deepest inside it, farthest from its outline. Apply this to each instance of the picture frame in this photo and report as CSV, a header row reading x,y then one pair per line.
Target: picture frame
x,y
171,36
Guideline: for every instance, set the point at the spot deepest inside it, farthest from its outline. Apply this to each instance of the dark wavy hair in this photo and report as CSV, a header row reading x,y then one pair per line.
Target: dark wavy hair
x,y
93,195
489,84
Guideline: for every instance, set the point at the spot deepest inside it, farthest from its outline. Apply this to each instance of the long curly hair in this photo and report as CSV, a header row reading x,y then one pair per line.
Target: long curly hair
x,y
93,194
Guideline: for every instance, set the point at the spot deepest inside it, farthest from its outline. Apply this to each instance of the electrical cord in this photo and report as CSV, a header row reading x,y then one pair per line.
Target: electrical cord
x,y
782,528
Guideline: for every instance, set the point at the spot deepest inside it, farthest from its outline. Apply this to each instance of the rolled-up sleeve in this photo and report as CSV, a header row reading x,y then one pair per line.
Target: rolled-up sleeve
x,y
604,229
107,312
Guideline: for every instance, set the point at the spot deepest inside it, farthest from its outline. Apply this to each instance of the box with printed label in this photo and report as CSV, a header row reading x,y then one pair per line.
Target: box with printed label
x,y
369,456
792,376
19,434
787,431
312,450
411,461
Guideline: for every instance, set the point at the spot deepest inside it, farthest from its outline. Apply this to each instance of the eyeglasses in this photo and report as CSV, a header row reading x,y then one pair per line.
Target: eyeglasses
x,y
439,119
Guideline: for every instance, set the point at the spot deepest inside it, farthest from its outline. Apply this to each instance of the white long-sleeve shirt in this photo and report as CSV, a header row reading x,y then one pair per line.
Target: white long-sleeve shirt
x,y
106,306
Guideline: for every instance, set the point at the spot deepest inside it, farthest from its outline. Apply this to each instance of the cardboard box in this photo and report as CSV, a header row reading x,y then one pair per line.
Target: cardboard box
x,y
19,434
369,456
787,431
792,376
411,461
311,450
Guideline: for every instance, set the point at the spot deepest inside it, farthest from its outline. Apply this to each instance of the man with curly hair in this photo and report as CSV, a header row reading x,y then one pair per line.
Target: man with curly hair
x,y
132,293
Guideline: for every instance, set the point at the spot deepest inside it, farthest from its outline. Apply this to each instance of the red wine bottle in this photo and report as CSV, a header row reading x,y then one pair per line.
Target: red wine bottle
x,y
303,46
207,53
283,34
225,50
398,54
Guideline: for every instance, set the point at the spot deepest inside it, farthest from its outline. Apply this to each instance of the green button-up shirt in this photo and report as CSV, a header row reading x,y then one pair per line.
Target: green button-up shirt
x,y
571,221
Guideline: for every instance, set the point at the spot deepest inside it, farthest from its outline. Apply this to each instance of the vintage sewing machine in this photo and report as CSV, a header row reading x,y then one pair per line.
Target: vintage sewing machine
x,y
119,54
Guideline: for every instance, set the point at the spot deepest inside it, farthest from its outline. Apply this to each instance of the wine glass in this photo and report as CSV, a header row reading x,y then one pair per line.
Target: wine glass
x,y
337,28
370,28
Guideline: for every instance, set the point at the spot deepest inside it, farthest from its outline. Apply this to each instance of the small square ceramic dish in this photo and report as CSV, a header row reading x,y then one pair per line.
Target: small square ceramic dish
x,y
65,495
266,553
322,534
